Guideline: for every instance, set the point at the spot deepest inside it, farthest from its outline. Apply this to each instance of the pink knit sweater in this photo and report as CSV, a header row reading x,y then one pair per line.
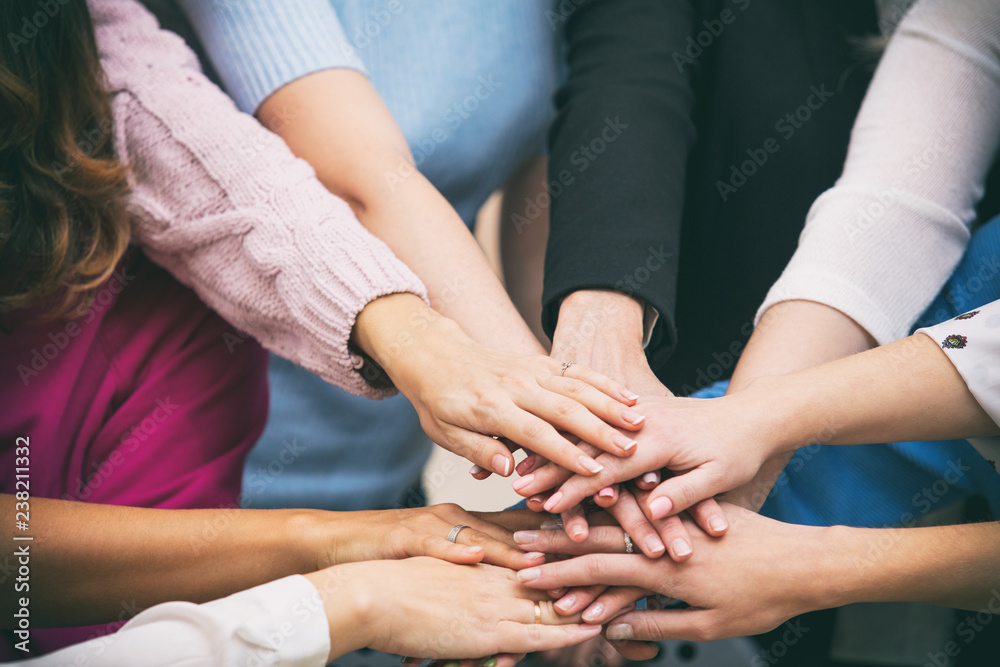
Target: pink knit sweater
x,y
224,205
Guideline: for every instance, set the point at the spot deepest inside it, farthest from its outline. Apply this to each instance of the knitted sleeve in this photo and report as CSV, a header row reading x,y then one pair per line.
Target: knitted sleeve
x,y
881,243
226,207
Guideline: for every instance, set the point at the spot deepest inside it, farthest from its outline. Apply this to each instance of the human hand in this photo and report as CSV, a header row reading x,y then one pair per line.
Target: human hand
x,y
714,445
760,574
465,392
432,609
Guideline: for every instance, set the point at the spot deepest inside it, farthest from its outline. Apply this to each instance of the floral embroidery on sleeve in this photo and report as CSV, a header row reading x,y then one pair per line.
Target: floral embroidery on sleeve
x,y
954,342
967,316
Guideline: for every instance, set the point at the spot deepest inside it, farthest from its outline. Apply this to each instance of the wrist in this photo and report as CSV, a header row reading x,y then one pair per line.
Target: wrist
x,y
779,414
387,328
347,602
589,316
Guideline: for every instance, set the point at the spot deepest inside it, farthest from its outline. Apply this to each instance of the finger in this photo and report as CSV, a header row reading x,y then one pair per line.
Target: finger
x,y
603,383
636,651
521,638
537,502
509,521
607,496
709,517
546,477
539,436
648,481
688,624
575,523
599,404
643,533
572,417
601,539
486,452
440,547
676,494
608,569
496,552
578,599
578,487
612,602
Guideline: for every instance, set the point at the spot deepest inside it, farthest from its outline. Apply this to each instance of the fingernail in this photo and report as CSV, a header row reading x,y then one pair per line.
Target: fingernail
x,y
632,417
624,443
525,464
620,631
472,551
653,544
718,523
651,478
525,536
553,501
491,662
475,470
628,395
590,464
501,465
538,499
552,524
594,612
681,547
660,507
578,534
606,492
530,574
523,482
566,603
533,555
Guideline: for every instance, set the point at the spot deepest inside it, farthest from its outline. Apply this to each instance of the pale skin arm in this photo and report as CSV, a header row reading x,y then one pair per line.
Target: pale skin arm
x,y
335,120
791,336
90,563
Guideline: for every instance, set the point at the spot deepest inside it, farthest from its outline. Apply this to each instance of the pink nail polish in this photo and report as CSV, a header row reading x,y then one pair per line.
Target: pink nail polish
x,y
522,482
623,442
606,492
651,478
632,417
660,507
553,501
475,470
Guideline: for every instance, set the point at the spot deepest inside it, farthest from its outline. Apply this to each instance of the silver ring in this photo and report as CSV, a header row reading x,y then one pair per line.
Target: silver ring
x,y
565,367
629,547
453,535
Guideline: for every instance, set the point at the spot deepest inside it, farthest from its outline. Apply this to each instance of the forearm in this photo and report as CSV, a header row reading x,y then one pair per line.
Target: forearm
x,y
87,559
360,154
954,566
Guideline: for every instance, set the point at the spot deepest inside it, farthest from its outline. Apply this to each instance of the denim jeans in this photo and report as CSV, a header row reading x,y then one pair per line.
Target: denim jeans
x,y
892,484
470,83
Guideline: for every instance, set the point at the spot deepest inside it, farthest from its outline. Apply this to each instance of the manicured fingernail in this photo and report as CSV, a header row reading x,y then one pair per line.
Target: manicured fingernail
x,y
566,603
578,533
501,465
552,524
537,500
654,545
651,478
475,470
525,464
490,662
624,443
628,395
632,417
606,492
533,555
523,482
590,464
472,551
620,631
660,507
553,501
594,612
681,547
525,536
718,523
530,574
557,593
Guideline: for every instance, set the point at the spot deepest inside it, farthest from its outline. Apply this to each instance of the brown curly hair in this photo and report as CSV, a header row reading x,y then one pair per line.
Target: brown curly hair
x,y
62,220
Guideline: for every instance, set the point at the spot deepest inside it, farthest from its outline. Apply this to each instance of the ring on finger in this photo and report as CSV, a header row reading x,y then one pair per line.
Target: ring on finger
x,y
629,547
565,367
453,535
538,613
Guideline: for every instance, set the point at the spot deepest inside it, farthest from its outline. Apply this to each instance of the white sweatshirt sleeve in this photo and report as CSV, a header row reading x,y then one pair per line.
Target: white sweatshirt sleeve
x,y
281,623
881,243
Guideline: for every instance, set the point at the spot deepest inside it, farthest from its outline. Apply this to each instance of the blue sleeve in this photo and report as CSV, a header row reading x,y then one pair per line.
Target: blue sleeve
x,y
258,46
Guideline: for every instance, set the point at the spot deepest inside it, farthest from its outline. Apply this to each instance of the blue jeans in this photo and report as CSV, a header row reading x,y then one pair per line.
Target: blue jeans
x,y
891,484
470,83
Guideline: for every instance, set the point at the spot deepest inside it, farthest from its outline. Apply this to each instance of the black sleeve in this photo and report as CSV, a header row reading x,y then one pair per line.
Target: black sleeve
x,y
618,155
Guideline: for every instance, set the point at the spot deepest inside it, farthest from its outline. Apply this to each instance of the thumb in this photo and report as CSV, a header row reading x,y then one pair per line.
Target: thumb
x,y
656,625
488,453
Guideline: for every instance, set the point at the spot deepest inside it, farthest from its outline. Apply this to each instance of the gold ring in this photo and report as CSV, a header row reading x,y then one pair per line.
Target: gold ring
x,y
538,613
